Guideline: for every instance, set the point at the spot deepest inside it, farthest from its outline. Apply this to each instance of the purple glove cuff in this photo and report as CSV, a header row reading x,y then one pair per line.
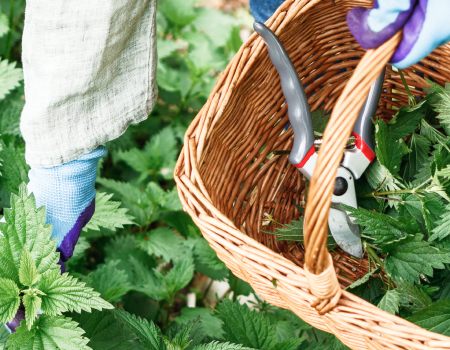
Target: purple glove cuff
x,y
20,315
411,32
368,39
70,240
410,20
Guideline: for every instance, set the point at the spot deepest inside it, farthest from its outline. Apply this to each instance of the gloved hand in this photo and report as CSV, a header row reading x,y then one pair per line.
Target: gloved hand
x,y
68,193
425,26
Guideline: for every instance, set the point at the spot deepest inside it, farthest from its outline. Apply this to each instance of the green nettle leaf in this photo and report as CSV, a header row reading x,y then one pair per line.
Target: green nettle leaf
x,y
377,174
415,160
440,162
246,327
216,25
108,214
167,47
320,120
201,58
412,206
178,277
184,336
211,324
444,289
14,169
424,173
168,78
294,233
32,305
147,333
111,282
25,226
388,149
434,135
228,346
390,302
27,271
11,109
383,228
4,334
9,300
182,222
441,104
162,242
146,205
290,233
371,291
157,158
180,13
133,198
123,249
445,172
435,318
64,293
145,281
49,332
285,331
79,251
412,297
10,77
412,259
363,280
433,210
406,121
206,260
105,330
4,24
289,344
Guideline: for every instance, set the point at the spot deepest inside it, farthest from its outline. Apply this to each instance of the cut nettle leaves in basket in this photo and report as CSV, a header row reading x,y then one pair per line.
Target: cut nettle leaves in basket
x,y
404,214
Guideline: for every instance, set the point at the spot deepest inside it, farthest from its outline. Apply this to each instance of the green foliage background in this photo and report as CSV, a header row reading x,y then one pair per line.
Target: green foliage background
x,y
139,257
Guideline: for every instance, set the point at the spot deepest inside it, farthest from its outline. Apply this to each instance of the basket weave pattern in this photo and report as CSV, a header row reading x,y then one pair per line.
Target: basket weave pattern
x,y
226,181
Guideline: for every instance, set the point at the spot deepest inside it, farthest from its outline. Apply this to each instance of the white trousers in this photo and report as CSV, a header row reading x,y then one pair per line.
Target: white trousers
x,y
89,72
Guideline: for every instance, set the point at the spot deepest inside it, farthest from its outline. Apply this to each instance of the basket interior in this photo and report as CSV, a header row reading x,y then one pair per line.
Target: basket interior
x,y
243,176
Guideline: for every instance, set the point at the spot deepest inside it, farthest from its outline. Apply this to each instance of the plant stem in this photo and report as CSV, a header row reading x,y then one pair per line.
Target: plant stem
x,y
11,29
411,98
315,335
158,313
233,289
207,290
386,193
374,256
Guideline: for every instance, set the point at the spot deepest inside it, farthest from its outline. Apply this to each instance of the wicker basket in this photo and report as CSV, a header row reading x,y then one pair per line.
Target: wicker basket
x,y
226,182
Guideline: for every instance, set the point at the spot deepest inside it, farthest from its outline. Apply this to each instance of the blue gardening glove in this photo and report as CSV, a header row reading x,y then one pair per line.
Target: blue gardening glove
x,y
263,9
68,193
425,26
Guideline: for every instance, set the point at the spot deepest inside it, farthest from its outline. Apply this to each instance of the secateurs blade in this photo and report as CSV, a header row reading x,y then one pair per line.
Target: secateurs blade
x,y
303,155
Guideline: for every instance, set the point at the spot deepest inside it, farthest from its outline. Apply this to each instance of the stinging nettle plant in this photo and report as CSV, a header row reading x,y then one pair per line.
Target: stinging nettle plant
x,y
30,275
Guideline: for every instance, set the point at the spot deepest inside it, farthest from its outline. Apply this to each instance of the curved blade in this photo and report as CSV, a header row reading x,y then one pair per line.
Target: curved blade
x,y
345,233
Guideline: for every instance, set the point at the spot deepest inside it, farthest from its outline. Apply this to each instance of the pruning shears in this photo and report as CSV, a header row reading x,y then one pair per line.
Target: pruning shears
x,y
356,158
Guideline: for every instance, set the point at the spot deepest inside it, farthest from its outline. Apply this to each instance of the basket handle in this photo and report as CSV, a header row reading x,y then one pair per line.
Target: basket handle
x,y
319,268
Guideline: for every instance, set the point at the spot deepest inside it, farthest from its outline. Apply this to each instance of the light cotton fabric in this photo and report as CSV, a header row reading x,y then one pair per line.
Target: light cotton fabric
x,y
89,72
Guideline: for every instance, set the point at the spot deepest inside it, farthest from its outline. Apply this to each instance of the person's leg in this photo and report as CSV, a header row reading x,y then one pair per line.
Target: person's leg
x,y
263,9
89,72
